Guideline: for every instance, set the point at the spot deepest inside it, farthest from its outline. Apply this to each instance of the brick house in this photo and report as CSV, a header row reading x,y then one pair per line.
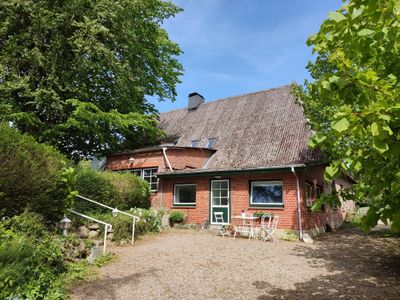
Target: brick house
x,y
248,152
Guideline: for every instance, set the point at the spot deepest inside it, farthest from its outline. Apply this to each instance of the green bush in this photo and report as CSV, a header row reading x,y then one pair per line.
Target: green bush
x,y
31,260
150,221
132,191
36,263
122,190
176,217
33,176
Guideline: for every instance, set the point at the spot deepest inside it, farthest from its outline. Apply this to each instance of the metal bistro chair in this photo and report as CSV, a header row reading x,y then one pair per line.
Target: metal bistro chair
x,y
219,218
264,224
269,227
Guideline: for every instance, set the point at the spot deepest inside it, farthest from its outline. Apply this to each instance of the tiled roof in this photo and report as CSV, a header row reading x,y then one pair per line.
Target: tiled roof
x,y
260,129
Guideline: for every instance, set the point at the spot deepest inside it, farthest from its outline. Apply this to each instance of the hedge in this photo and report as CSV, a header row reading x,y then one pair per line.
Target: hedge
x,y
33,176
122,190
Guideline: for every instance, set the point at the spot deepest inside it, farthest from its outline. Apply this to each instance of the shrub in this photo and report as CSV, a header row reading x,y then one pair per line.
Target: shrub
x,y
30,259
176,217
122,190
92,184
32,175
150,221
132,190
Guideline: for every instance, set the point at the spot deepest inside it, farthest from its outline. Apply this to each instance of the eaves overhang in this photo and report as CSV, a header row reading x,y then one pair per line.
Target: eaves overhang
x,y
231,172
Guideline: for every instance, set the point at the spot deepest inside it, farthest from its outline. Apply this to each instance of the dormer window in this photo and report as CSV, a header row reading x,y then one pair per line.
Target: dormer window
x,y
194,143
211,142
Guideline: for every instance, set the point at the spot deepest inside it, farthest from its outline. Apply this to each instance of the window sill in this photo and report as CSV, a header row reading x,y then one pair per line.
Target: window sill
x,y
266,207
183,206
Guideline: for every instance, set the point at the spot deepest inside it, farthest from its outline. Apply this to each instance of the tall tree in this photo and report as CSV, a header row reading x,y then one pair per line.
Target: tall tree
x,y
353,103
75,73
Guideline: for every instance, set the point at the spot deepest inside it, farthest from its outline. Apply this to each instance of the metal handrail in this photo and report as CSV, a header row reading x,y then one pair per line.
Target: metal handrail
x,y
115,211
107,226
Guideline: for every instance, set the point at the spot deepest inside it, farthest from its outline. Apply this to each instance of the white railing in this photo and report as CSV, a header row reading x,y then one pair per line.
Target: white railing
x,y
115,211
107,227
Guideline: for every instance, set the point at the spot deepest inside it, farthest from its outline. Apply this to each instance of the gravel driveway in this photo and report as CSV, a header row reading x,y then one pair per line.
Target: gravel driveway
x,y
184,264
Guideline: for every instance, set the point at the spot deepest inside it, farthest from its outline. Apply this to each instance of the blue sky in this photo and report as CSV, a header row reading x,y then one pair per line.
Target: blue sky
x,y
232,47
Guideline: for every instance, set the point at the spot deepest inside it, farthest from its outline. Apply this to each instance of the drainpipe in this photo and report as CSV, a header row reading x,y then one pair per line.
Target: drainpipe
x,y
164,149
298,204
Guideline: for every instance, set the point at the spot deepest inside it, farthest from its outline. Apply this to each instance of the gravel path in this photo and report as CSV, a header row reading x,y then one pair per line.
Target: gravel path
x,y
184,264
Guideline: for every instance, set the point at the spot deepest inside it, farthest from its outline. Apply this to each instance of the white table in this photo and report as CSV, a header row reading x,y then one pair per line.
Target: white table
x,y
245,227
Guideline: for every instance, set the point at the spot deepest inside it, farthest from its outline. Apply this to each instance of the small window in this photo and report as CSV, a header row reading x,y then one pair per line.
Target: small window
x,y
151,178
211,142
309,191
318,191
185,194
137,172
266,193
194,143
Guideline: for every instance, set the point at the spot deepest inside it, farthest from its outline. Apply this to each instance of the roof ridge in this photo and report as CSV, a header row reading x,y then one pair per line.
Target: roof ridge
x,y
235,96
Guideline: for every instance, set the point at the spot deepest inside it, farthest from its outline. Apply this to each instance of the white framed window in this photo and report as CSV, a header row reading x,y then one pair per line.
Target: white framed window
x,y
194,143
211,142
151,178
220,192
137,172
266,193
148,175
185,194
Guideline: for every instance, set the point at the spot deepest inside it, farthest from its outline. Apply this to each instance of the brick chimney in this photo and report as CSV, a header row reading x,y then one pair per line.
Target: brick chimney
x,y
195,99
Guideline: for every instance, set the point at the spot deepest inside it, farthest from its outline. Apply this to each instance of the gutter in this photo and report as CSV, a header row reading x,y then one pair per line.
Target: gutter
x,y
231,172
164,149
298,204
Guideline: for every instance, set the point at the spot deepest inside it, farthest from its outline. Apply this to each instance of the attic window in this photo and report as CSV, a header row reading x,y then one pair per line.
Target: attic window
x,y
194,143
211,142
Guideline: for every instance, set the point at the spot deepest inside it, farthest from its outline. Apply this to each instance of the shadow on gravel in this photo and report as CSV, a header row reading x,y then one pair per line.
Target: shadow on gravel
x,y
106,287
362,266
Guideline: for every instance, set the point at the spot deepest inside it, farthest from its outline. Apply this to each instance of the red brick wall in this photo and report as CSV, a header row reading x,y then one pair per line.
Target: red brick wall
x,y
141,160
239,186
179,159
333,217
196,158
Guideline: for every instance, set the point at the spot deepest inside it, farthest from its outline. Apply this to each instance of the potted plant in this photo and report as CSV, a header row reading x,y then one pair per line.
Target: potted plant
x,y
259,214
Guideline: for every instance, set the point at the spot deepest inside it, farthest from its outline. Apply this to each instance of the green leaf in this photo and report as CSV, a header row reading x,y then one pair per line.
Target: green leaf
x,y
341,125
331,171
336,16
365,32
380,146
384,117
370,219
375,129
312,143
395,226
388,129
326,85
339,81
357,166
356,13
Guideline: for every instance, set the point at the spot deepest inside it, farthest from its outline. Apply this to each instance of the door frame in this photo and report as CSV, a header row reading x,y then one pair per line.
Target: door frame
x,y
211,205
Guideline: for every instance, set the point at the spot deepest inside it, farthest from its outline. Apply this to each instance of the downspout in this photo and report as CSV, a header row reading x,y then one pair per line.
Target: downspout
x,y
164,149
298,204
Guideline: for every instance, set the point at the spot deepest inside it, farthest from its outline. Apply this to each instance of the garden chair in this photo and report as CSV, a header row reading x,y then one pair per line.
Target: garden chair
x,y
264,224
269,227
219,218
